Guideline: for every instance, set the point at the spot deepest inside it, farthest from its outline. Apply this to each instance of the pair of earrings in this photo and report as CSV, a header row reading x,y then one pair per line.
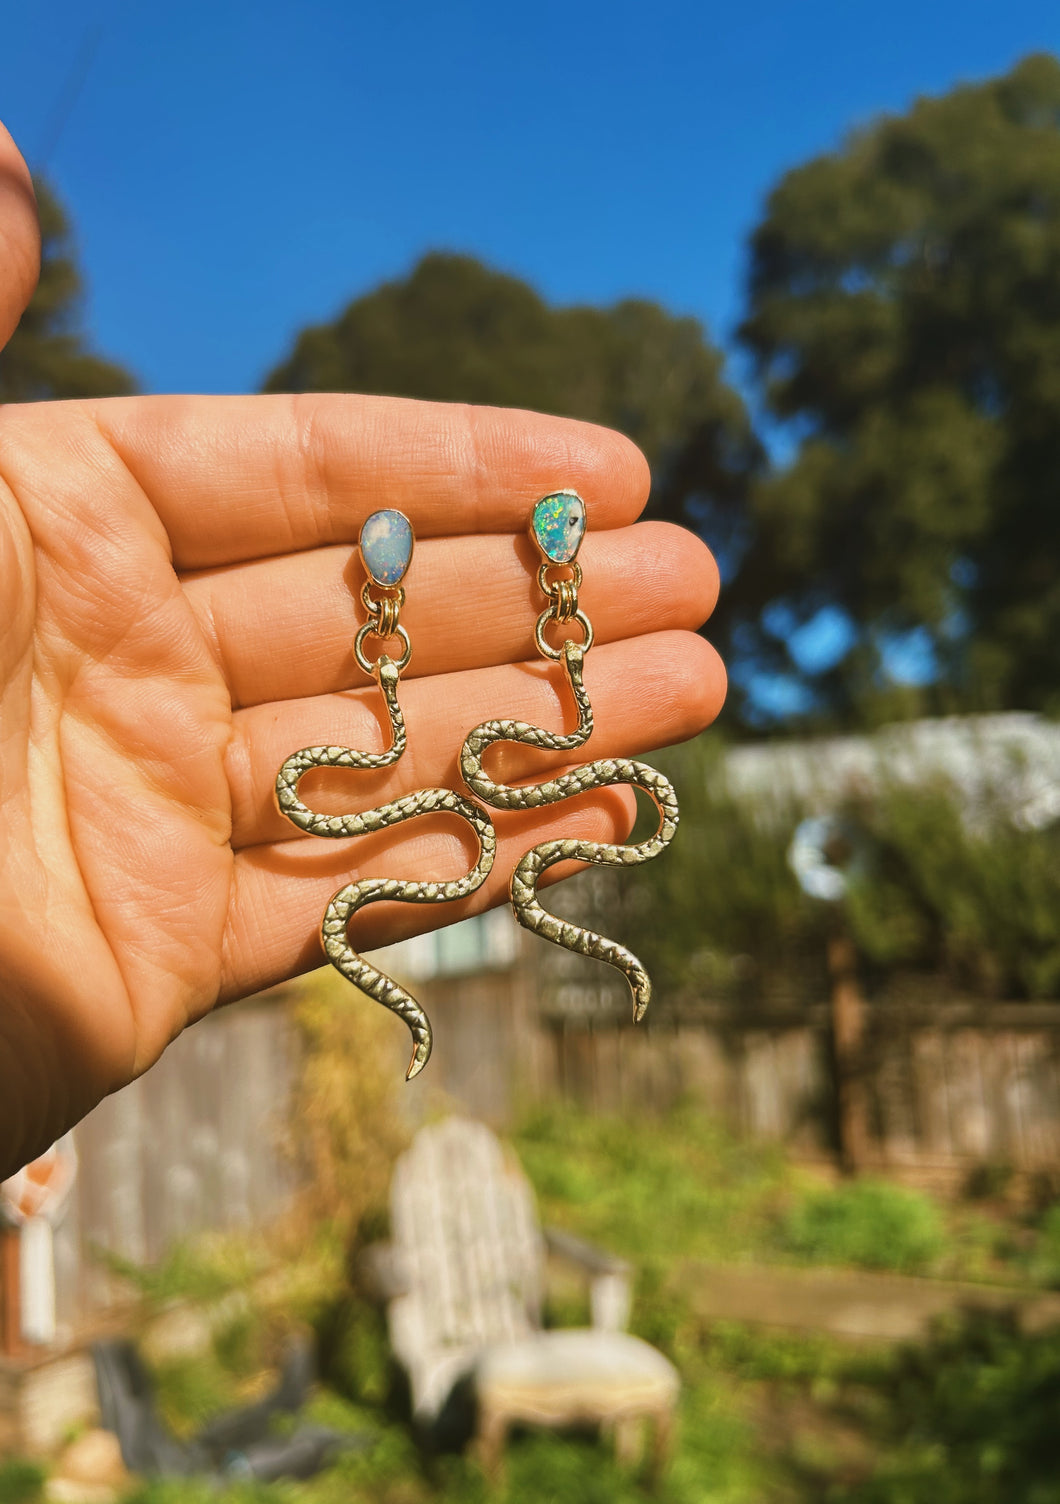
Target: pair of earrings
x,y
557,526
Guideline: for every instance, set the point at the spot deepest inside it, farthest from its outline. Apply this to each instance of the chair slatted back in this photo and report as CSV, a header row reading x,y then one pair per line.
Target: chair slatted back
x,y
464,1221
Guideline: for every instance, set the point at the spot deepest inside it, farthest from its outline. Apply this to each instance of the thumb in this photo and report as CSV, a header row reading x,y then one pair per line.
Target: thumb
x,y
19,237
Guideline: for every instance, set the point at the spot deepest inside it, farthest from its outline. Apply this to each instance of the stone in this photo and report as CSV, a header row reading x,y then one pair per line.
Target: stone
x,y
559,526
72,1491
54,1395
90,1471
386,546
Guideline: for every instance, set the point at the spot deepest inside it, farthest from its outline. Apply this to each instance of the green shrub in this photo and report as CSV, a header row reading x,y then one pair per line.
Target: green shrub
x,y
355,1354
961,893
21,1482
1045,1256
654,1190
721,912
968,1418
191,1389
868,1223
205,1269
347,1127
945,889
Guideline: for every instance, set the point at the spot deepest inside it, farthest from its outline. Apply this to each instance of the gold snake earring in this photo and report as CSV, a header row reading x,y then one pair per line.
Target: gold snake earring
x,y
557,527
385,547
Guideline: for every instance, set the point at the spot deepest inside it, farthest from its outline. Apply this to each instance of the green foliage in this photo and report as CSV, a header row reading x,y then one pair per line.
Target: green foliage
x,y
973,900
355,1351
192,1388
454,330
871,1224
721,913
21,1482
347,1130
1044,1260
675,1186
680,1187
969,1418
965,1417
904,316
754,1354
245,1342
47,357
206,1491
947,891
201,1270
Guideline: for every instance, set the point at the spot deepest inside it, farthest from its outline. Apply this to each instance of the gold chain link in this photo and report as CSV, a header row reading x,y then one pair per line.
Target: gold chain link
x,y
563,606
562,592
383,622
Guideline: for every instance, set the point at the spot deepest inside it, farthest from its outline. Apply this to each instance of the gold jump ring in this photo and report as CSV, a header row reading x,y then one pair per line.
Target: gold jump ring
x,y
557,653
370,629
548,587
385,611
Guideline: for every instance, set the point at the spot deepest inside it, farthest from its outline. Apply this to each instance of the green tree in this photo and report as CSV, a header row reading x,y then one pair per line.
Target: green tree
x,y
455,330
905,319
47,356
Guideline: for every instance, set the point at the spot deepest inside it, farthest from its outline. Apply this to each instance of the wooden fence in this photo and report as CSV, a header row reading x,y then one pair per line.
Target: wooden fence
x,y
198,1142
949,1086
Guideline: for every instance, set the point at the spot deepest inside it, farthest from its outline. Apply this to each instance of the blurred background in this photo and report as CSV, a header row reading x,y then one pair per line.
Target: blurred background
x,y
809,259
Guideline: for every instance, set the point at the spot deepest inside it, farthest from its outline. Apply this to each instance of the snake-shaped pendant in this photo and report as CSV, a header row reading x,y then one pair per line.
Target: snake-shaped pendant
x,y
354,896
595,775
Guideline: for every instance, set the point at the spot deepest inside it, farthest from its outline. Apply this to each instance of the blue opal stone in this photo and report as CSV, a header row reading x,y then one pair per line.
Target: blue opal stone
x,y
386,546
559,525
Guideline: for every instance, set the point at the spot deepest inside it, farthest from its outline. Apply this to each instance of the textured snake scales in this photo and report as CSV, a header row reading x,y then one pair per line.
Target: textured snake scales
x,y
595,775
354,896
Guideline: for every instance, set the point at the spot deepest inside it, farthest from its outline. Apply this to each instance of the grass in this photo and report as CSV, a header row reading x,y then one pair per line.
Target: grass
x,y
676,1187
680,1187
868,1224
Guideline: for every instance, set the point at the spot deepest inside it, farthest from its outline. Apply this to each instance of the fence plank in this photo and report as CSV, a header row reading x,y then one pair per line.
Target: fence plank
x,y
195,1143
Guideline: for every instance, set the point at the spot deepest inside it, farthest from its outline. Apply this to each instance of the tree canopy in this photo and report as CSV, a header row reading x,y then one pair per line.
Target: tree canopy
x,y
456,330
905,319
47,356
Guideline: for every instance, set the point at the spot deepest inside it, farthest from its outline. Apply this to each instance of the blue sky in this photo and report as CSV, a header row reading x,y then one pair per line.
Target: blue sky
x,y
237,170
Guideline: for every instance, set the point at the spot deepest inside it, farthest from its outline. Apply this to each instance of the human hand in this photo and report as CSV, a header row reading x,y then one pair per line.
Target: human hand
x,y
179,603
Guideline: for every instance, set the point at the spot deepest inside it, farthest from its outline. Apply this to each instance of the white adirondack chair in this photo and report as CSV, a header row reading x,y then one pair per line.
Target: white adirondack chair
x,y
463,1280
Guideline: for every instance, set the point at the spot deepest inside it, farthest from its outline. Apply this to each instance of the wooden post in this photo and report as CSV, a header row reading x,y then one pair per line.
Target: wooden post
x,y
11,1344
848,1040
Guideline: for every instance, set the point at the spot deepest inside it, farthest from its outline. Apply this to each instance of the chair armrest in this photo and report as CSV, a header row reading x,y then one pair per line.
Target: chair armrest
x,y
610,1278
588,1257
381,1271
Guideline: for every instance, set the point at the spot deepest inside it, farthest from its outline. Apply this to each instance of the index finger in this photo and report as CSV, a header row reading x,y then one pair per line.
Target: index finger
x,y
236,478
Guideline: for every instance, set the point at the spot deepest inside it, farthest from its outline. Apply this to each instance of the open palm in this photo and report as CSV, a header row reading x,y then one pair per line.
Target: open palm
x,y
179,597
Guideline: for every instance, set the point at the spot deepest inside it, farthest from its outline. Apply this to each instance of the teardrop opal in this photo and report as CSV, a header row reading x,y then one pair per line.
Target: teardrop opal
x,y
558,526
386,546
